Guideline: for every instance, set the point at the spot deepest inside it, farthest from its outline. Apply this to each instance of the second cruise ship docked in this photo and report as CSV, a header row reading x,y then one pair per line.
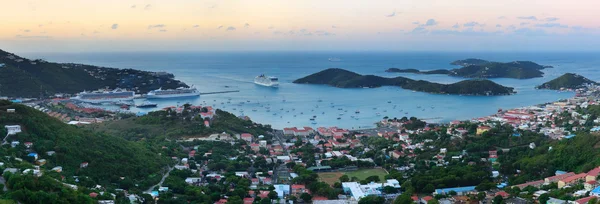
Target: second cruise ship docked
x,y
173,93
266,81
101,96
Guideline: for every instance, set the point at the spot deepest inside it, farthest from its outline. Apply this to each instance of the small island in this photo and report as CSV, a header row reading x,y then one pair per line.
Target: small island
x,y
416,71
478,68
567,81
26,78
346,79
469,61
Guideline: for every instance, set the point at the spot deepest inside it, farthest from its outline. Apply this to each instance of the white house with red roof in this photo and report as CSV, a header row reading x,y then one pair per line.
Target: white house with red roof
x,y
247,137
306,131
208,115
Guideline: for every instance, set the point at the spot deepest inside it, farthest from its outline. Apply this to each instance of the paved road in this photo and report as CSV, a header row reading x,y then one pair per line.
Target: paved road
x,y
161,180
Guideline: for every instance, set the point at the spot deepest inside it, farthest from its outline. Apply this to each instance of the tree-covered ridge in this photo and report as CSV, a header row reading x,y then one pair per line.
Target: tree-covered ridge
x,y
21,77
478,68
567,81
347,79
516,70
173,125
111,160
469,61
416,71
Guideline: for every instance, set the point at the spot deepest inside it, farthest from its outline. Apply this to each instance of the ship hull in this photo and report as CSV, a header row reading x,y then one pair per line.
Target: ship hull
x,y
103,100
267,85
173,96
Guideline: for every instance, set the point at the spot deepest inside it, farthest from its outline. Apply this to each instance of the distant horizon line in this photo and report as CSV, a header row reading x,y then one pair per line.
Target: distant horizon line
x,y
313,51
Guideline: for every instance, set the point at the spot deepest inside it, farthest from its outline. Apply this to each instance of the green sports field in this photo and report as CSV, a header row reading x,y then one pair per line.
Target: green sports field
x,y
332,177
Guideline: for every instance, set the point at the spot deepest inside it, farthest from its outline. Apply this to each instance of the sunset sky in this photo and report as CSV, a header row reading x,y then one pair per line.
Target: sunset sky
x,y
244,25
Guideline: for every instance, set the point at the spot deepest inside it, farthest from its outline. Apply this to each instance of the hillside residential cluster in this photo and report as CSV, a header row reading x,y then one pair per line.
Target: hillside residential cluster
x,y
349,160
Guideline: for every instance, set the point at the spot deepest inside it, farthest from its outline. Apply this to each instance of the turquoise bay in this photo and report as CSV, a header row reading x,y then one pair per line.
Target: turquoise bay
x,y
294,104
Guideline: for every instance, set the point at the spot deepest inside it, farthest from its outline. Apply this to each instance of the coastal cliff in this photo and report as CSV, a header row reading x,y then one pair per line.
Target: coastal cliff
x,y
346,79
567,81
21,77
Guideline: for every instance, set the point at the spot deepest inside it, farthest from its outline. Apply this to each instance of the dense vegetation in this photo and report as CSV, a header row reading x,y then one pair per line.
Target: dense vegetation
x,y
516,70
416,71
478,68
469,61
347,79
169,124
27,188
21,77
568,81
109,157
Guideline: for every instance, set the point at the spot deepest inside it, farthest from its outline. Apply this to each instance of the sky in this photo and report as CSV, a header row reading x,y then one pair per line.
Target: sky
x,y
303,25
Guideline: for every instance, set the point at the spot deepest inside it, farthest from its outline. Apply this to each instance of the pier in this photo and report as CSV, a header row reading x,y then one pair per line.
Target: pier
x,y
219,92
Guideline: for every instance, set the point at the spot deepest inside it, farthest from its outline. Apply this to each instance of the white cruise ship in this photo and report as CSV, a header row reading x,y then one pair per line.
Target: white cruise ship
x,y
105,96
173,93
266,81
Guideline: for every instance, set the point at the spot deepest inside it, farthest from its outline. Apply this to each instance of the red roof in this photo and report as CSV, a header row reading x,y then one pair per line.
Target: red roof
x,y
93,194
427,198
594,172
248,200
415,198
298,186
246,135
504,194
560,177
574,177
585,200
263,194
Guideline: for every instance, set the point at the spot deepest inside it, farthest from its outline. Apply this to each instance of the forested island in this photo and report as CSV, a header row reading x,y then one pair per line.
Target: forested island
x,y
416,71
567,81
346,79
478,68
21,77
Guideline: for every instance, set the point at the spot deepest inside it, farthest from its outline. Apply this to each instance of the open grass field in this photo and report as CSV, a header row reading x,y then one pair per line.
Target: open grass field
x,y
332,177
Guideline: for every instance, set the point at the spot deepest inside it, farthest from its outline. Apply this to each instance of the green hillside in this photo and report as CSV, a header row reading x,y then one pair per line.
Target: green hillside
x,y
568,81
109,157
517,70
21,77
347,79
161,124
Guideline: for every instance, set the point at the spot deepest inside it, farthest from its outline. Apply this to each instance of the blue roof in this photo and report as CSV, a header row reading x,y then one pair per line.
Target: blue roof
x,y
501,185
154,193
32,154
558,172
516,134
457,189
596,190
595,129
569,136
16,101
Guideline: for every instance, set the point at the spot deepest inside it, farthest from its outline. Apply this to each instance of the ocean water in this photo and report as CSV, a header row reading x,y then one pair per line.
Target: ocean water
x,y
294,104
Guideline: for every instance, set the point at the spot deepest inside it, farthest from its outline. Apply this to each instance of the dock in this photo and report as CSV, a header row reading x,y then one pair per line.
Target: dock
x,y
219,92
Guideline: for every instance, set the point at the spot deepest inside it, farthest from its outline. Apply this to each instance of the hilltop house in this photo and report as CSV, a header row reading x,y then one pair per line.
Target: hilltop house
x,y
482,129
13,129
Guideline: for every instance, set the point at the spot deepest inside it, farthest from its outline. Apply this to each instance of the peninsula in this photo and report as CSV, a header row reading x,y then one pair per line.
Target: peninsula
x,y
21,77
567,81
346,79
478,68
